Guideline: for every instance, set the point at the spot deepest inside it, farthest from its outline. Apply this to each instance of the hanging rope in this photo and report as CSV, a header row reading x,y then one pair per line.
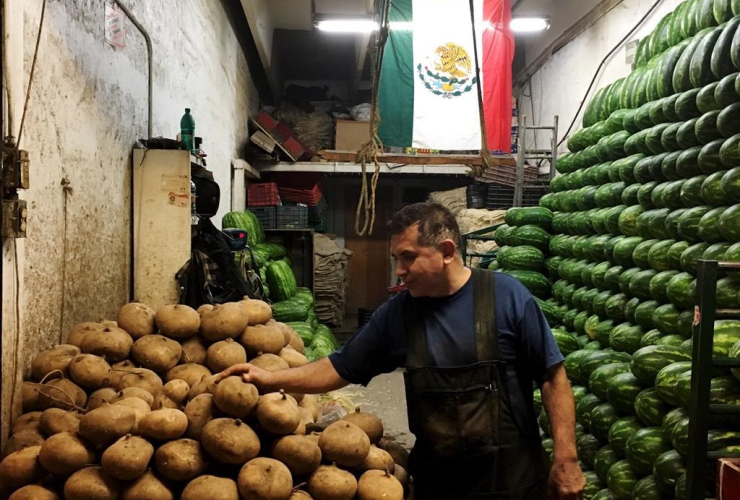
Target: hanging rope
x,y
484,152
371,149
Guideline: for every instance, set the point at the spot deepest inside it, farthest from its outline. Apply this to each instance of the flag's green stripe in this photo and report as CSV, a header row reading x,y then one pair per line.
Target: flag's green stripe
x,y
396,89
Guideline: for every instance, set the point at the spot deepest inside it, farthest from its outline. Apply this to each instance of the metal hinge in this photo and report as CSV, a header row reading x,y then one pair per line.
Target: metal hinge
x,y
15,168
14,218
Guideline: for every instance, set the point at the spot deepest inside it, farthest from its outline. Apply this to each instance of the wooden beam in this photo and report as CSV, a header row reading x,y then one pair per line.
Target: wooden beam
x,y
419,159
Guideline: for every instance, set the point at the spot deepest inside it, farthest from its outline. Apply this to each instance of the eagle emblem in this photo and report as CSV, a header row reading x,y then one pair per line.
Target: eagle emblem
x,y
447,74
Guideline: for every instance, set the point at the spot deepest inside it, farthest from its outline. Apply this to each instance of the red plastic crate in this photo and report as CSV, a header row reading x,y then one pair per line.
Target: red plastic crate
x,y
263,194
309,197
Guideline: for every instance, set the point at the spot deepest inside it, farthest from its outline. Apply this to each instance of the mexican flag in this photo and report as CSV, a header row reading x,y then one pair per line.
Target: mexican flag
x,y
428,97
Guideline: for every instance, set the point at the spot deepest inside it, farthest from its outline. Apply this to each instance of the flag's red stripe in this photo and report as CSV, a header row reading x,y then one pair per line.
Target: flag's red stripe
x,y
497,57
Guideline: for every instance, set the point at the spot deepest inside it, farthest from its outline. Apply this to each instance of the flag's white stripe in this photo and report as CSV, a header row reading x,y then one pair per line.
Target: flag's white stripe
x,y
449,123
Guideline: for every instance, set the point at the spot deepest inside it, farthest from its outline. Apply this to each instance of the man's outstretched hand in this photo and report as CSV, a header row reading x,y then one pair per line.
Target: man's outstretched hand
x,y
249,373
566,480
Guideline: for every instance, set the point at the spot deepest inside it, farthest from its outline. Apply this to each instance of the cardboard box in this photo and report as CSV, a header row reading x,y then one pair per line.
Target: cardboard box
x,y
728,479
351,135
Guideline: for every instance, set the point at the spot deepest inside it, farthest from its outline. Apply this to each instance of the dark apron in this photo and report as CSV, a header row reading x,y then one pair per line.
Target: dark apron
x,y
468,442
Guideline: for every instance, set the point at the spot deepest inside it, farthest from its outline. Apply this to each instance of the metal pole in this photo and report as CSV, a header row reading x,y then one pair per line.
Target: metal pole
x,y
519,182
554,141
701,376
148,42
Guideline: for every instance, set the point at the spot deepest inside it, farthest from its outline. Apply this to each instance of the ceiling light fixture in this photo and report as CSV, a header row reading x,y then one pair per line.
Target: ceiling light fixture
x,y
347,25
529,24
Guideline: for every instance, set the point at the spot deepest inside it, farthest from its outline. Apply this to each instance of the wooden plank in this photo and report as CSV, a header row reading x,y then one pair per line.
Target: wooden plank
x,y
420,159
162,229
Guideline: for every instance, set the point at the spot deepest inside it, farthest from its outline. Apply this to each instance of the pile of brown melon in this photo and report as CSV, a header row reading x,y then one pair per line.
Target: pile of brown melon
x,y
131,410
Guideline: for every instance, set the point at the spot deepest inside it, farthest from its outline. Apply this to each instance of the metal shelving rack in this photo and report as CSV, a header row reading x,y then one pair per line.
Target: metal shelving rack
x,y
482,234
524,154
700,407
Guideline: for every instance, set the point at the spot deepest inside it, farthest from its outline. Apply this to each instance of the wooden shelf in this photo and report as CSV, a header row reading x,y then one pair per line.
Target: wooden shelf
x,y
421,159
356,168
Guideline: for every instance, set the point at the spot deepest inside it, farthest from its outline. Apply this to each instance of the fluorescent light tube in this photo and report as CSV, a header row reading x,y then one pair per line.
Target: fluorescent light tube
x,y
529,24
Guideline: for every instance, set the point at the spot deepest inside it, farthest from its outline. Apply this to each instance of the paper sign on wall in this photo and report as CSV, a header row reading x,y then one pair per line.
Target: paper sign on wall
x,y
114,31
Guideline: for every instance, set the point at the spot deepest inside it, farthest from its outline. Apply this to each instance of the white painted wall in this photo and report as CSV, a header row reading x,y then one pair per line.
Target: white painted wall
x,y
562,15
87,109
559,86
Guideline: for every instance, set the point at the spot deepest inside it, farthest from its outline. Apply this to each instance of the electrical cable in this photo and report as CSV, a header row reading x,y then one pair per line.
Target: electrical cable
x,y
30,78
603,62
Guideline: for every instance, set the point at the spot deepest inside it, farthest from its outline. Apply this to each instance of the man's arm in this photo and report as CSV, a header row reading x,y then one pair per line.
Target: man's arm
x,y
566,477
314,378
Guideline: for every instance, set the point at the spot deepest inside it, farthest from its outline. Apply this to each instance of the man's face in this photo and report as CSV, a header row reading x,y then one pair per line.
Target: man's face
x,y
420,267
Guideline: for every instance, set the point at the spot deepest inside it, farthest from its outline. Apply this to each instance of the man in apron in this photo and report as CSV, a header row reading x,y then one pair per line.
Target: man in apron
x,y
472,343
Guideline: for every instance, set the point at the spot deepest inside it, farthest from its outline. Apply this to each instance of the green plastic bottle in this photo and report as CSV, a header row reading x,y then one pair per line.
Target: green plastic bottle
x,y
187,130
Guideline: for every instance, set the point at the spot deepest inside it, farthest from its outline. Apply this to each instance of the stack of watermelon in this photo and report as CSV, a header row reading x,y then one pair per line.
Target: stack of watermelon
x,y
291,304
523,243
650,186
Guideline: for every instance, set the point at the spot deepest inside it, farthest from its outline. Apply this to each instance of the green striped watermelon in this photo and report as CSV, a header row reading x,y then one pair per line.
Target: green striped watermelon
x,y
627,222
665,318
611,279
646,489
735,353
666,380
688,223
602,331
671,223
536,283
651,338
593,485
672,418
658,255
621,479
729,224
639,285
602,418
731,185
621,391
712,191
604,459
709,160
647,362
625,278
567,342
644,314
709,225
674,254
650,408
584,408
644,447
572,363
686,323
691,256
630,309
599,378
680,291
538,216
525,258
659,284
621,431
587,446
594,359
605,494
726,334
667,468
247,221
531,235
615,307
624,249
625,338
281,280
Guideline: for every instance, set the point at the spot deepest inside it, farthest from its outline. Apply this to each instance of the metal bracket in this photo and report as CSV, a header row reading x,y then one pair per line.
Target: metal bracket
x,y
14,218
15,168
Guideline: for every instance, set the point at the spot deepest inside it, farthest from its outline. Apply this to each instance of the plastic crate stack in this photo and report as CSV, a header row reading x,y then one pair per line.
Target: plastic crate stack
x,y
263,201
311,201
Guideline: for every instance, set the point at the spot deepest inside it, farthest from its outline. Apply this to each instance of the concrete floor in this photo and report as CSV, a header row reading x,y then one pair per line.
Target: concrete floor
x,y
385,397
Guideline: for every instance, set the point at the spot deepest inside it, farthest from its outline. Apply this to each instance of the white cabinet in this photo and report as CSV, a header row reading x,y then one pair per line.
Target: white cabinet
x,y
162,231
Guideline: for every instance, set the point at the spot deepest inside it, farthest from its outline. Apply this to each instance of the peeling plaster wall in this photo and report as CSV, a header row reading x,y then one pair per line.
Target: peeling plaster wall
x,y
558,87
88,107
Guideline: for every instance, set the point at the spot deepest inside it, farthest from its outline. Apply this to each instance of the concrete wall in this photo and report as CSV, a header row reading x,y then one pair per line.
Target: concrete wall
x,y
88,107
558,87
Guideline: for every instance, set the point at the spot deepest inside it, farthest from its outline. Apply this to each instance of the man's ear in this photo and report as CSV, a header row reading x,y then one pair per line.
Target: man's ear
x,y
448,249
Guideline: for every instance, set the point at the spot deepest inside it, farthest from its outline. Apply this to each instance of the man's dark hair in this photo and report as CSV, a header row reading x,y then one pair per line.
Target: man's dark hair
x,y
435,222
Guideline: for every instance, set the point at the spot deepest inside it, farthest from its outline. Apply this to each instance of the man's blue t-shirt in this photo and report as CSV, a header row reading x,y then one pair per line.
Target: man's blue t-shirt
x,y
526,342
